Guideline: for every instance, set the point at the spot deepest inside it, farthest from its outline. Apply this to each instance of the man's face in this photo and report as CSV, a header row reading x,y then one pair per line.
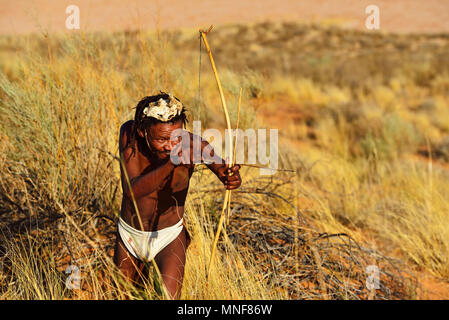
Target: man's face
x,y
159,138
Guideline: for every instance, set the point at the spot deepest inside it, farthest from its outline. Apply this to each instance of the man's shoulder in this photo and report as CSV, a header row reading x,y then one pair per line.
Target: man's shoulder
x,y
125,133
127,126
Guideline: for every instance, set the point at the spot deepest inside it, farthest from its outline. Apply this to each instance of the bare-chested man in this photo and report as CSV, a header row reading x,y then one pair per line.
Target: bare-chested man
x,y
159,187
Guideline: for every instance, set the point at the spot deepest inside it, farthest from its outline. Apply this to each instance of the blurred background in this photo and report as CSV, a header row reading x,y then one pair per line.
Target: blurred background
x,y
26,16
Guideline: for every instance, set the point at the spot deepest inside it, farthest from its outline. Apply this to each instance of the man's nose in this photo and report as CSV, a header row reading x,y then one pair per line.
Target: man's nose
x,y
169,145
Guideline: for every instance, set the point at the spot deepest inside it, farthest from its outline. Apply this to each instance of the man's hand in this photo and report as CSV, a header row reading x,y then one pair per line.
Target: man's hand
x,y
233,181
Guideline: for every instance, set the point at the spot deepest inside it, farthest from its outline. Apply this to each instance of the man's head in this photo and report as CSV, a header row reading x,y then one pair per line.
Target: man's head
x,y
155,119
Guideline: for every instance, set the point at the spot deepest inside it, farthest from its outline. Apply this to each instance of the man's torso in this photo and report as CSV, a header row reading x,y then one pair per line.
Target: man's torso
x,y
163,207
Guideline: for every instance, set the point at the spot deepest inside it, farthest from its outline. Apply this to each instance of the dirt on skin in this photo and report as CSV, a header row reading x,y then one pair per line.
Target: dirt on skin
x,y
402,16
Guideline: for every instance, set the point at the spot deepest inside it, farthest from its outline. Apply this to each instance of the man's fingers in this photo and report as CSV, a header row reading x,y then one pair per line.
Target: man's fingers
x,y
233,182
235,168
232,171
236,182
226,170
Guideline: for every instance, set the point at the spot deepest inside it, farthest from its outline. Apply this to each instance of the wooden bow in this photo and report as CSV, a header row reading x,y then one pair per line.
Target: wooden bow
x,y
227,199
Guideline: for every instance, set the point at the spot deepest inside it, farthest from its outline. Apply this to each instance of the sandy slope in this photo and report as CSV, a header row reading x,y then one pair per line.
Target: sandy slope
x,y
24,16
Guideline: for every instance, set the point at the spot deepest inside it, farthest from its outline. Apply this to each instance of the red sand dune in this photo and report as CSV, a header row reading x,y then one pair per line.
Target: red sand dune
x,y
25,16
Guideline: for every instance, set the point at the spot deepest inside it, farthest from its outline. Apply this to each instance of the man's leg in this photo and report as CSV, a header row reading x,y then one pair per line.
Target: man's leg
x,y
171,261
126,263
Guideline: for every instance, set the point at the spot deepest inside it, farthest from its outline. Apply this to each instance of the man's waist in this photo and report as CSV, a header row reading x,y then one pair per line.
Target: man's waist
x,y
153,221
138,231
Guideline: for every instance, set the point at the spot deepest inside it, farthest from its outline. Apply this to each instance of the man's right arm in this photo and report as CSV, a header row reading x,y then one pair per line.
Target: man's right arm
x,y
144,184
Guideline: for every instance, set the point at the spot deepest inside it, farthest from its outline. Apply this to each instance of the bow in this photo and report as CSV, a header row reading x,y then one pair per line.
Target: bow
x,y
227,199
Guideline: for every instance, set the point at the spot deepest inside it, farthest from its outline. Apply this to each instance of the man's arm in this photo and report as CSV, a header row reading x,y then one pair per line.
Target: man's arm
x,y
221,169
144,184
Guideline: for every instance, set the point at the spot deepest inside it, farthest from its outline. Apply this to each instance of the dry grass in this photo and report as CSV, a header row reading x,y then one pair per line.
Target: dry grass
x,y
357,131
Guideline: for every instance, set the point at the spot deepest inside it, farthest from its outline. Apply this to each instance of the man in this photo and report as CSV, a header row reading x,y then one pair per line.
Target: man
x,y
159,170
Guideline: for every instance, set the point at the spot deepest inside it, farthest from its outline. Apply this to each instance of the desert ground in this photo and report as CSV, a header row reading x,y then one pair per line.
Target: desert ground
x,y
405,16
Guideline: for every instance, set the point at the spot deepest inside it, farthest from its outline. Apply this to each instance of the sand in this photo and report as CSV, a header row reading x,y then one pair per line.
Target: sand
x,y
402,16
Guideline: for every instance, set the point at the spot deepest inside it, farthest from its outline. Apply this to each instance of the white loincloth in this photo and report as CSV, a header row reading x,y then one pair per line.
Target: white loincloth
x,y
145,245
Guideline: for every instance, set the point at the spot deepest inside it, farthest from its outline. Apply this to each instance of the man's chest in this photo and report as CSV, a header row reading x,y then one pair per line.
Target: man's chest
x,y
179,179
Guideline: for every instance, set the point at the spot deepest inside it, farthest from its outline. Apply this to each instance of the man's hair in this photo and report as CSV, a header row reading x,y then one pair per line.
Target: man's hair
x,y
142,123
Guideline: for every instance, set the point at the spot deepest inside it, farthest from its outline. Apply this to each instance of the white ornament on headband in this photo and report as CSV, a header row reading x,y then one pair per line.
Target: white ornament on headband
x,y
163,111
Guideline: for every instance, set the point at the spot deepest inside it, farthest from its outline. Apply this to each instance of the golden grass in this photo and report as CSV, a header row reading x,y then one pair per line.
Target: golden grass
x,y
359,150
